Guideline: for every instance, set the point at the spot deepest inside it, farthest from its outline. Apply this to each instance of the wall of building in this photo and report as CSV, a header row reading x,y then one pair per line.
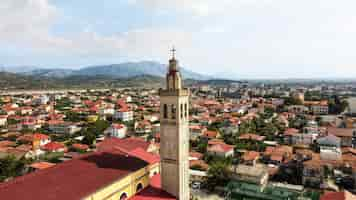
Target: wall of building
x,y
127,185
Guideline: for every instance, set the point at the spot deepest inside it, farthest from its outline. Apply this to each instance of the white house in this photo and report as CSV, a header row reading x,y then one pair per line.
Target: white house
x,y
109,110
124,115
43,99
352,105
64,128
117,130
3,120
330,147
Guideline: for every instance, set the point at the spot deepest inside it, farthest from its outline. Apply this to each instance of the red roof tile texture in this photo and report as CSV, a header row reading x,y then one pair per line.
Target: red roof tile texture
x,y
338,196
74,179
154,191
144,155
126,144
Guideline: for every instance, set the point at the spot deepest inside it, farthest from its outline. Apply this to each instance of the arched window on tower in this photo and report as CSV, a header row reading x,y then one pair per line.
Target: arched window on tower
x,y
173,111
186,110
165,111
181,111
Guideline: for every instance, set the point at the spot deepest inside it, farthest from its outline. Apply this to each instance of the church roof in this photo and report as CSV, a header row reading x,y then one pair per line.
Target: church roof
x,y
146,156
154,191
74,179
338,196
126,144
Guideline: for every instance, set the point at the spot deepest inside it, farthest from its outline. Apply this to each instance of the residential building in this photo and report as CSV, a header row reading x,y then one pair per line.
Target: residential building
x,y
61,127
257,174
3,120
124,115
220,149
345,134
117,130
352,105
330,147
297,109
318,107
54,147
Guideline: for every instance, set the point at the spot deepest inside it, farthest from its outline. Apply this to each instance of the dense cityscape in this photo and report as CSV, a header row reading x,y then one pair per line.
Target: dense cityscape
x,y
247,140
177,100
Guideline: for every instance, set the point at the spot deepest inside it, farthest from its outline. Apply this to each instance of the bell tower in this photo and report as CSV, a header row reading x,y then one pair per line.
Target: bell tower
x,y
174,147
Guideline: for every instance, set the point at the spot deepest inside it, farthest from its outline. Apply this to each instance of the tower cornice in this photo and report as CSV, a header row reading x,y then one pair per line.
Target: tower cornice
x,y
174,92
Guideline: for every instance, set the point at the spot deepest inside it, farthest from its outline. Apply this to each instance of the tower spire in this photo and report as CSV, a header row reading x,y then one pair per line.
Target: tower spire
x,y
173,75
173,50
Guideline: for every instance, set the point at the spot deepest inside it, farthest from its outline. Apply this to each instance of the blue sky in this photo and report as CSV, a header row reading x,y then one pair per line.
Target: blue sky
x,y
239,38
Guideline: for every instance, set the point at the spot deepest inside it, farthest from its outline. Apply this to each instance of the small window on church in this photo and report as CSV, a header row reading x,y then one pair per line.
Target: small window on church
x,y
165,111
186,110
181,111
174,109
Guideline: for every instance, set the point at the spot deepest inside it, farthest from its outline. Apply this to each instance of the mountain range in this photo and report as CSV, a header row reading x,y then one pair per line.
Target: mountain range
x,y
123,70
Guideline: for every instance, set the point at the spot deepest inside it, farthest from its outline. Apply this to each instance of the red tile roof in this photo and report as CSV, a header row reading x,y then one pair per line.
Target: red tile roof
x,y
80,146
250,155
42,165
40,136
196,155
210,134
340,132
126,144
144,155
215,141
201,163
154,191
291,131
224,148
117,126
53,146
251,136
338,196
74,179
7,143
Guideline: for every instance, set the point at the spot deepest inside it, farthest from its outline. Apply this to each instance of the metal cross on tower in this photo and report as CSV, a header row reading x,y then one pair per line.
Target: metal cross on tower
x,y
173,52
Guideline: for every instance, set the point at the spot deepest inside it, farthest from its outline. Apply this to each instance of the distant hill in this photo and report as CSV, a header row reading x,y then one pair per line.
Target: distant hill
x,y
123,70
219,82
18,69
9,81
131,69
13,81
57,73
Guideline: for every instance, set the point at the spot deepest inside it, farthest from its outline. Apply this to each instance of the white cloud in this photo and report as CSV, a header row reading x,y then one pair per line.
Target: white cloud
x,y
254,37
27,23
25,20
196,7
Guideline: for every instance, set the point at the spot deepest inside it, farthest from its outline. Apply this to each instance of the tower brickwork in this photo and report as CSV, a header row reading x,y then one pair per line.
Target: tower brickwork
x,y
174,133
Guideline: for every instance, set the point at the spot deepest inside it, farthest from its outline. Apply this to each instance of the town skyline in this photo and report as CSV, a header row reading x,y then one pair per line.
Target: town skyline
x,y
241,39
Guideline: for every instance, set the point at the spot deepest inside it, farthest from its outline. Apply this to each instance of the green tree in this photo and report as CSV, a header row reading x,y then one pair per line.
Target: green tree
x,y
218,174
89,138
11,167
201,146
73,117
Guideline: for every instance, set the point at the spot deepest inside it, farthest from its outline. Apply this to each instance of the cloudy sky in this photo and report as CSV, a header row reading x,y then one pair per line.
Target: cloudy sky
x,y
241,38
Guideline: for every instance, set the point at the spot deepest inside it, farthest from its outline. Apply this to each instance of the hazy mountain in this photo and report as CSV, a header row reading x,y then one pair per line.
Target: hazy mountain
x,y
13,81
123,70
57,73
131,69
18,69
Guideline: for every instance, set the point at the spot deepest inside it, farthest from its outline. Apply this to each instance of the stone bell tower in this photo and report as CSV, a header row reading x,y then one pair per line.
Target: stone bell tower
x,y
174,147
